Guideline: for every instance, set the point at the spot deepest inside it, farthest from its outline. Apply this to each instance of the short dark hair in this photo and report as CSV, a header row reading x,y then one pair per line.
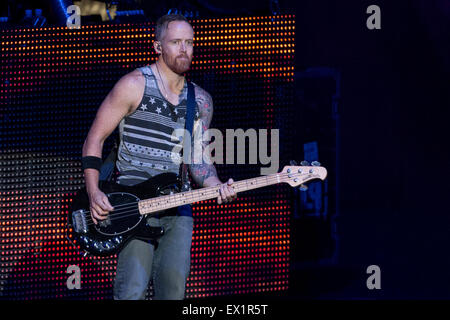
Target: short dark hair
x,y
163,23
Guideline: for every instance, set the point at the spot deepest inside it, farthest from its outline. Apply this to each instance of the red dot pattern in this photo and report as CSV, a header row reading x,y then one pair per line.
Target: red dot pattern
x,y
48,98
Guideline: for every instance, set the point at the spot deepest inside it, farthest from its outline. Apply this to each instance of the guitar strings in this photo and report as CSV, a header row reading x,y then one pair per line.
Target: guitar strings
x,y
120,214
123,213
125,208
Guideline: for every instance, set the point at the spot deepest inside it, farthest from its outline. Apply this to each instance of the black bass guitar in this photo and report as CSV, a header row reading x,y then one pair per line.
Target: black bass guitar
x,y
132,204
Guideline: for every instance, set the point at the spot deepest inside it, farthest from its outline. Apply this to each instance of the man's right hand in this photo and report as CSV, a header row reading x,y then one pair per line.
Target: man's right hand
x,y
99,205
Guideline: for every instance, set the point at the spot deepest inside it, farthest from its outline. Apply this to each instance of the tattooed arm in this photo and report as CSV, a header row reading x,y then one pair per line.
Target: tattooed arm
x,y
204,173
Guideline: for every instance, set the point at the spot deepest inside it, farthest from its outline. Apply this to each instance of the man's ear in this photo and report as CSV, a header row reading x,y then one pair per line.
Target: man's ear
x,y
157,47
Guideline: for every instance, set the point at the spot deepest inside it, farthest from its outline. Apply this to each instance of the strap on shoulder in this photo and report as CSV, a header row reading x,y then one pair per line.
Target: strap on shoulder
x,y
190,110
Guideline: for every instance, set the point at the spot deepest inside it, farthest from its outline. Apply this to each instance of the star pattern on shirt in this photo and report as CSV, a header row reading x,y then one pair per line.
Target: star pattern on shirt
x,y
165,109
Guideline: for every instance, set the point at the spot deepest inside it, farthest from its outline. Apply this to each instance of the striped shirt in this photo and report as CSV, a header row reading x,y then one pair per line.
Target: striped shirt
x,y
146,144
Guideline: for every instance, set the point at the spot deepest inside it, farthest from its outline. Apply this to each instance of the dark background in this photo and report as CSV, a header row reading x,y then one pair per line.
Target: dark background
x,y
394,160
394,157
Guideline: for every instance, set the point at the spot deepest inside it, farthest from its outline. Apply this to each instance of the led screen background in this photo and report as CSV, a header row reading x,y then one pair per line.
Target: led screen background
x,y
53,81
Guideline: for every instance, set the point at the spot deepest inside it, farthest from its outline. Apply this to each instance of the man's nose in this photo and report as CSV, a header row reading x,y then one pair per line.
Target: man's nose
x,y
182,47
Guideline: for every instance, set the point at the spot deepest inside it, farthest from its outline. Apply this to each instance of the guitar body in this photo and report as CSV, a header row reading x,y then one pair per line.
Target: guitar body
x,y
125,222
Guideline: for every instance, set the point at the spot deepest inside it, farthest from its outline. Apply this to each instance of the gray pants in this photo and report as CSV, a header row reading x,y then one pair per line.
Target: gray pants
x,y
167,262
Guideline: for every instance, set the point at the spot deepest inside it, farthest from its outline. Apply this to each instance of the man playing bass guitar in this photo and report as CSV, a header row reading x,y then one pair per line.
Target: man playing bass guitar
x,y
148,104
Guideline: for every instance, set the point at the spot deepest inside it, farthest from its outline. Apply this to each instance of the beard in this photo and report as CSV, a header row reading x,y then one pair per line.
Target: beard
x,y
179,64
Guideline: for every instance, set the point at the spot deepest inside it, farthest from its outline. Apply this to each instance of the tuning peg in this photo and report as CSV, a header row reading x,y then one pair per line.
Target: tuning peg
x,y
304,163
303,187
315,163
293,163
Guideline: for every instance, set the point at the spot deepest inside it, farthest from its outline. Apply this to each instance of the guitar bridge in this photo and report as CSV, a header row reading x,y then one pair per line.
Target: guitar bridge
x,y
79,221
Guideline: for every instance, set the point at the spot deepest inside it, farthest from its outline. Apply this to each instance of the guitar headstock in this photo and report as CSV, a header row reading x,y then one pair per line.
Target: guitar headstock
x,y
297,175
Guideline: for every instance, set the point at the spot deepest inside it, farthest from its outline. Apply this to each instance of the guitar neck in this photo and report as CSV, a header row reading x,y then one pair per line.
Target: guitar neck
x,y
188,197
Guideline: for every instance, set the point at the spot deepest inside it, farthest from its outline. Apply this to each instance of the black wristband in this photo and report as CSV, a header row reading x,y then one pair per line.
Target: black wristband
x,y
91,162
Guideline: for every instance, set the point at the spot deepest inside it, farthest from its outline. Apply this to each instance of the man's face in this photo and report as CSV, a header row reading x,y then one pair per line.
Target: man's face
x,y
177,46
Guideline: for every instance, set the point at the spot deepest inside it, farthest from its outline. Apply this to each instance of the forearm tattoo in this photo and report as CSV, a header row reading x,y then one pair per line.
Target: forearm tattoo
x,y
201,172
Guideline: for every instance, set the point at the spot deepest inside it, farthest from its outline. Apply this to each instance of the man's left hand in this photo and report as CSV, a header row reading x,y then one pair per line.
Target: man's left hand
x,y
227,193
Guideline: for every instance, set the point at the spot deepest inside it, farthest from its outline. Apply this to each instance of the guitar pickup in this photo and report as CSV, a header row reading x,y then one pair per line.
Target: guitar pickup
x,y
105,223
79,221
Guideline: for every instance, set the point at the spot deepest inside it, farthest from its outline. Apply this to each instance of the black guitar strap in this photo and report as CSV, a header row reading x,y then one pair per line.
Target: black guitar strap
x,y
190,110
